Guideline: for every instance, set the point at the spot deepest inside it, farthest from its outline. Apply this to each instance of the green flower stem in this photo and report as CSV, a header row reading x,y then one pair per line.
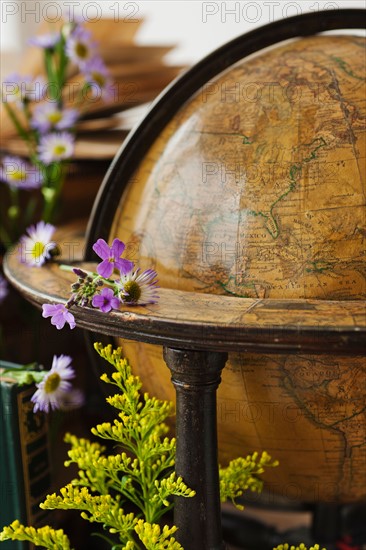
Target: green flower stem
x,y
52,76
14,211
70,269
147,485
29,211
32,134
5,238
18,125
51,189
110,541
63,62
28,116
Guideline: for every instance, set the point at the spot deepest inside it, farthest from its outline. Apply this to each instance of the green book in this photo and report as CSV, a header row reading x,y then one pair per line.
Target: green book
x,y
25,476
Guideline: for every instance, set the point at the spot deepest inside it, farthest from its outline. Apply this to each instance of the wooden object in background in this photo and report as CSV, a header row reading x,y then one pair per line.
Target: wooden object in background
x,y
139,73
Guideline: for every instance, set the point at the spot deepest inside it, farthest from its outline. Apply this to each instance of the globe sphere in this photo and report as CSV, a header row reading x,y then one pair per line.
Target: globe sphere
x,y
256,188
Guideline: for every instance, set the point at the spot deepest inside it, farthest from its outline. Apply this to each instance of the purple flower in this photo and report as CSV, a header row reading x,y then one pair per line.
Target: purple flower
x,y
3,288
18,88
55,147
36,246
99,79
137,288
47,41
106,300
53,390
111,257
59,315
49,116
79,46
19,174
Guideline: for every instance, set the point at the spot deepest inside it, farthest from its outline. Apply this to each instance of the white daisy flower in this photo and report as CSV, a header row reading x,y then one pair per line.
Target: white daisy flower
x,y
138,289
48,116
19,174
51,392
56,147
20,89
99,79
79,46
36,246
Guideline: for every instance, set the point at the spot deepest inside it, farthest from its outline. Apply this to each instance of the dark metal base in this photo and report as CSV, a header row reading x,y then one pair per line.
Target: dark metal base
x,y
337,527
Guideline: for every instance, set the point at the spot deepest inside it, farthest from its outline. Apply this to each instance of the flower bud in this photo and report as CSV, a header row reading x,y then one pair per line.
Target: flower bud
x,y
79,272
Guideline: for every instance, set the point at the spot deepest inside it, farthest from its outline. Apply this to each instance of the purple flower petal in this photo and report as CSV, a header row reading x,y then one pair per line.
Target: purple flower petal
x,y
48,310
98,301
70,319
58,320
111,257
59,315
102,249
105,269
117,248
106,300
125,266
115,302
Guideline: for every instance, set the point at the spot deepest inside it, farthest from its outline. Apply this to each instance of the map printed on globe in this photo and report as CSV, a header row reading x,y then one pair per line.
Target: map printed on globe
x,y
256,188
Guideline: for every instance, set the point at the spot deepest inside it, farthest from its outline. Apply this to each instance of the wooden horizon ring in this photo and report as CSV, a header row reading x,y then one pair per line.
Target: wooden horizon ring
x,y
192,320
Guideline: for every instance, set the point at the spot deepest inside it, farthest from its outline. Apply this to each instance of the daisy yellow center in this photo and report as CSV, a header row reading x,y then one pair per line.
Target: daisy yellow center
x,y
52,382
38,249
134,291
81,50
18,175
59,149
99,79
54,117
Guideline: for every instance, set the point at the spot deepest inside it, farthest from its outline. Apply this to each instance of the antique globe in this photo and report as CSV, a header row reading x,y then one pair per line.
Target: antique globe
x,y
255,187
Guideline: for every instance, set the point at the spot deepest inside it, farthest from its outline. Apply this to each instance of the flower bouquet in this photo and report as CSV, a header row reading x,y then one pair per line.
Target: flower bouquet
x,y
40,111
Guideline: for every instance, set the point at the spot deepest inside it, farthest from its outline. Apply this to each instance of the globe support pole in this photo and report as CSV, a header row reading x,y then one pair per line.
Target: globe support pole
x,y
196,376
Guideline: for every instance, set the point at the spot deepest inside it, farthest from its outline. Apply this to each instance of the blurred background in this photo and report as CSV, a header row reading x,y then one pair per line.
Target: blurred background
x,y
196,27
